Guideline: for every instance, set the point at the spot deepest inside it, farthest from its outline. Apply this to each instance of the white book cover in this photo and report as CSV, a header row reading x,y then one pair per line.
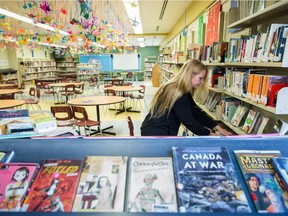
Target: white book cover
x,y
237,117
151,185
102,185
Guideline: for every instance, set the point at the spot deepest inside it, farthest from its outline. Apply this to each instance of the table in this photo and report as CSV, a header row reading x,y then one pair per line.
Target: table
x,y
124,89
8,91
97,101
6,85
11,103
62,85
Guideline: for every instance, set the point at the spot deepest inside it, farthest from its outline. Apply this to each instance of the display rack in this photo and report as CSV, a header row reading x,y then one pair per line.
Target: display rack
x,y
36,150
149,62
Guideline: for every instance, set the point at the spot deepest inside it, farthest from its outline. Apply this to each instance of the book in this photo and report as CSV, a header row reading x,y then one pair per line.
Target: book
x,y
15,181
54,187
102,184
151,186
264,122
280,166
206,181
238,115
251,117
257,169
6,156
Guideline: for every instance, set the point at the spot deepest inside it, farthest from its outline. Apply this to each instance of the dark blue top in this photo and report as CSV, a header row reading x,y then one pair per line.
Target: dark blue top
x,y
184,111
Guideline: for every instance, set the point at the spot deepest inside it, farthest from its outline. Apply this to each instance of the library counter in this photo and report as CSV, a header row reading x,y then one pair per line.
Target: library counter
x,y
36,150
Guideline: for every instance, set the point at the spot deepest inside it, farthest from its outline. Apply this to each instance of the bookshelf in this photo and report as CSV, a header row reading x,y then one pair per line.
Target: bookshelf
x,y
8,75
31,150
31,69
149,62
66,66
87,71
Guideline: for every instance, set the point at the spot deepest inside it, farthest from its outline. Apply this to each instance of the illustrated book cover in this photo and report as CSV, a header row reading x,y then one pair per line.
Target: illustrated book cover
x,y
239,115
206,181
102,184
15,181
281,174
250,121
257,169
151,185
6,156
54,187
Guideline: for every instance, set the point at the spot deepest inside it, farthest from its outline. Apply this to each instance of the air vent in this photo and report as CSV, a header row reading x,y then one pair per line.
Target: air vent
x,y
163,9
157,28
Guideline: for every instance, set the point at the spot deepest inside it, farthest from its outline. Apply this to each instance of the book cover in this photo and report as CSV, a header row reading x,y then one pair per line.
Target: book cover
x,y
257,169
15,181
280,166
6,156
251,117
238,115
151,185
206,181
54,187
102,184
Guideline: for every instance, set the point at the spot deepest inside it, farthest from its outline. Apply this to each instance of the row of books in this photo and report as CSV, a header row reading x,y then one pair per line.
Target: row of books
x,y
194,179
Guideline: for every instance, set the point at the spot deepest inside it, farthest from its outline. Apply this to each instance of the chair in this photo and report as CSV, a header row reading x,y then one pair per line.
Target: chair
x,y
34,100
129,75
139,97
21,90
80,114
117,82
68,91
130,126
80,89
110,92
48,90
63,115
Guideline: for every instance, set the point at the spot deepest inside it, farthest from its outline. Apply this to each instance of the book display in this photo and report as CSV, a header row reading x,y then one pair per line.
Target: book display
x,y
145,148
6,156
280,166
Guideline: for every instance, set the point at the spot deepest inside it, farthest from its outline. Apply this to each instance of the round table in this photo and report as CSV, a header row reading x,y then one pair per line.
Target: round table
x,y
10,103
97,101
8,91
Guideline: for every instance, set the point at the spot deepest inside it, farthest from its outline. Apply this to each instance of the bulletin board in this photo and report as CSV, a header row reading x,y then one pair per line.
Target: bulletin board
x,y
129,61
105,61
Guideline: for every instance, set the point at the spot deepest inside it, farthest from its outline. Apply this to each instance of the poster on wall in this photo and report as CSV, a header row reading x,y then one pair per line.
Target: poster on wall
x,y
213,24
200,29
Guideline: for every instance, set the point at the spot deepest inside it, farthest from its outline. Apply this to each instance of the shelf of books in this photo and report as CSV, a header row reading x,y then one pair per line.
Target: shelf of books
x,y
140,175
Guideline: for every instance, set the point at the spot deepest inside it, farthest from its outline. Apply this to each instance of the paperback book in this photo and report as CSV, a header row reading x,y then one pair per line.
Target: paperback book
x,y
102,184
6,156
15,181
151,186
54,187
206,181
281,174
257,169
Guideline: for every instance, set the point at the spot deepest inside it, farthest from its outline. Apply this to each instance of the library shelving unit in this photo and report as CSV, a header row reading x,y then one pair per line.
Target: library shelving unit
x,y
8,75
66,66
31,69
149,62
36,150
86,71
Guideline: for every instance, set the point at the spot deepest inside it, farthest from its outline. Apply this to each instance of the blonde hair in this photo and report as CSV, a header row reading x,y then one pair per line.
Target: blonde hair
x,y
170,92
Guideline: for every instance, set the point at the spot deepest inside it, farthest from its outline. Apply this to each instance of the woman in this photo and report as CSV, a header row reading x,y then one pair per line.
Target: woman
x,y
173,104
104,193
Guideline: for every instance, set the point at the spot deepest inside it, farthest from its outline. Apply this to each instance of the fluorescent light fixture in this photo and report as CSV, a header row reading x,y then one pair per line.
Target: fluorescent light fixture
x,y
134,15
141,44
30,21
140,39
52,45
99,45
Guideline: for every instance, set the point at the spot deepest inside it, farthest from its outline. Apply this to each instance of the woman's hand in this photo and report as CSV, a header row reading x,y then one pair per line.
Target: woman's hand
x,y
223,131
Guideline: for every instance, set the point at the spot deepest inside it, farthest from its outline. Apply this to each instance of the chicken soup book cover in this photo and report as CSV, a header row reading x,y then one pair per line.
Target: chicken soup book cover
x,y
102,184
258,172
206,181
54,187
15,179
151,185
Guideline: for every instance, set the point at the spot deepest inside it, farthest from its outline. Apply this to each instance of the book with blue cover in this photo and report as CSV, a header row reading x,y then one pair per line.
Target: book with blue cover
x,y
206,181
281,174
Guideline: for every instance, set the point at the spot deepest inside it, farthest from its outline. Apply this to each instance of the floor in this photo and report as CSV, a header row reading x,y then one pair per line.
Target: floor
x,y
108,117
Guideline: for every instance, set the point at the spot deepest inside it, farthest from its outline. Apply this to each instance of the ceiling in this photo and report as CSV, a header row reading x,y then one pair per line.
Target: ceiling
x,y
154,28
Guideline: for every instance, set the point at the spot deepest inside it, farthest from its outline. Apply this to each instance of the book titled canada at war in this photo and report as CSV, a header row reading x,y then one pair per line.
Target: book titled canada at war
x,y
102,184
257,169
15,179
151,186
206,181
54,187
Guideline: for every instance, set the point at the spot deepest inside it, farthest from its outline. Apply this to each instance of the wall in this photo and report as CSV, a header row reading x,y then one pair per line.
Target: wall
x,y
4,61
147,51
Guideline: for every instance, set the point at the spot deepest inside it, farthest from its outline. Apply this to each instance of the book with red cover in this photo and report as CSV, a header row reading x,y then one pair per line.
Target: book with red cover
x,y
55,186
15,181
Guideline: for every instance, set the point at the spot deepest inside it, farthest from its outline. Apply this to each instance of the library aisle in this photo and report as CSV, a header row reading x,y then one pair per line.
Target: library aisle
x,y
108,117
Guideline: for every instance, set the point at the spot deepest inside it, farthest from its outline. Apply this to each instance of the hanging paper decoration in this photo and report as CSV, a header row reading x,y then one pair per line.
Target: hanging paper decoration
x,y
134,22
2,17
64,39
133,4
45,7
63,11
